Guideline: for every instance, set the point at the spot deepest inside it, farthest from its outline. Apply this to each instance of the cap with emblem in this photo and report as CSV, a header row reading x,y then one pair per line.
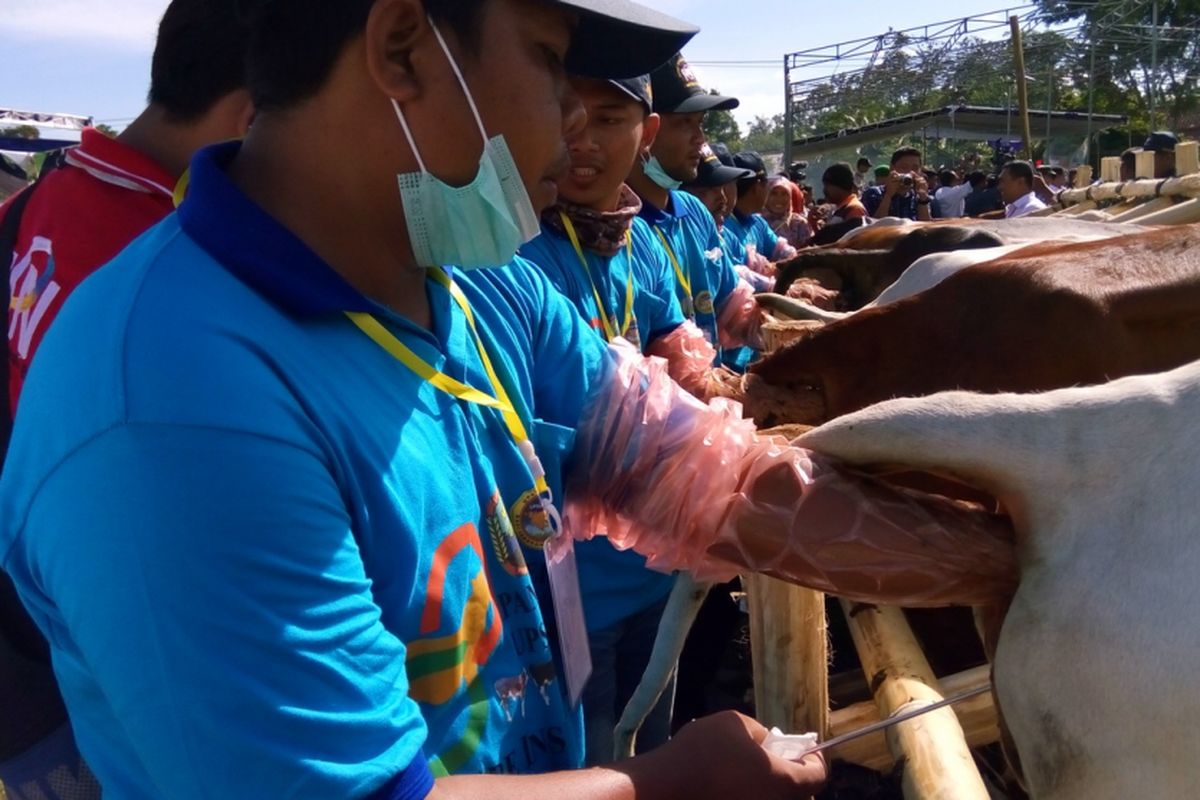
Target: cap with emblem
x,y
637,89
622,39
752,162
714,172
676,90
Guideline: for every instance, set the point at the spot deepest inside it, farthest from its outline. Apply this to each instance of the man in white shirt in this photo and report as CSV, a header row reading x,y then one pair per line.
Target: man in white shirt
x,y
950,198
1016,189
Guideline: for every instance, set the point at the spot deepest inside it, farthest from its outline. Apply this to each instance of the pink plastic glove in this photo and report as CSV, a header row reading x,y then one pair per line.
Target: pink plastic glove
x,y
692,486
690,360
757,262
740,320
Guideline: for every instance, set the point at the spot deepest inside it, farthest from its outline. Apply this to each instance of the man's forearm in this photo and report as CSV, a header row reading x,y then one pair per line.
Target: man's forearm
x,y
642,778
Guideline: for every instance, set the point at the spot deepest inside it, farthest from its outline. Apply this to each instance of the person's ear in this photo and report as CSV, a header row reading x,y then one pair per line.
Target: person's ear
x,y
650,129
393,31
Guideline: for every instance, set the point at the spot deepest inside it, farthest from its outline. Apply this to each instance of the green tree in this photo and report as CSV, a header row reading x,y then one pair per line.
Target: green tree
x,y
765,135
107,130
720,126
21,132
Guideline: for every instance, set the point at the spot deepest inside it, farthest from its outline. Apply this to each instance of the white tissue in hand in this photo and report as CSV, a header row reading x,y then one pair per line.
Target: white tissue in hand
x,y
790,747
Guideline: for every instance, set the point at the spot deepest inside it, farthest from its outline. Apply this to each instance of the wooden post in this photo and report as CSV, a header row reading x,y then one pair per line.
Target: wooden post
x,y
977,717
933,748
1110,169
1187,158
1184,213
1083,177
1022,88
1144,167
790,651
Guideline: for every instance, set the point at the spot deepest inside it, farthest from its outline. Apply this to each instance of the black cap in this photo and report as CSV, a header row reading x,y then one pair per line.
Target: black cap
x,y
621,39
637,89
721,150
1161,141
676,90
752,162
713,172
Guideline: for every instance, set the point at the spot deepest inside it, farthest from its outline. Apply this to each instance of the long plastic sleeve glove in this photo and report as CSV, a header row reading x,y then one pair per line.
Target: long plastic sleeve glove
x,y
740,320
692,486
690,360
759,283
757,262
783,250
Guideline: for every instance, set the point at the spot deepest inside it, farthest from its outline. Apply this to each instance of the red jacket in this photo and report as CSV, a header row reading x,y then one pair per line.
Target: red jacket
x,y
82,215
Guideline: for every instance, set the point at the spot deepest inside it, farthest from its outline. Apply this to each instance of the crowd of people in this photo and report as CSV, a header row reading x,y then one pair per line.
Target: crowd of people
x,y
293,436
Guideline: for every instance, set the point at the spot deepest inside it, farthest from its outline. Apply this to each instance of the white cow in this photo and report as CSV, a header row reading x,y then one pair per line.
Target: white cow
x,y
1096,669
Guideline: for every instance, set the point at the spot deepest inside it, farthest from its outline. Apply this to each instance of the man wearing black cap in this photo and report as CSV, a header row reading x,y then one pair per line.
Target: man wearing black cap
x,y
293,546
610,265
747,224
707,283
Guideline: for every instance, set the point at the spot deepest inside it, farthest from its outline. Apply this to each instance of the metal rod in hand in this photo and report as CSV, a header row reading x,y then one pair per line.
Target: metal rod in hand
x,y
887,723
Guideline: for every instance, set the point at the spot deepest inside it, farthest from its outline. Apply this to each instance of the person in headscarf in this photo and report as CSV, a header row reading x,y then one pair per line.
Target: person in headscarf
x,y
787,221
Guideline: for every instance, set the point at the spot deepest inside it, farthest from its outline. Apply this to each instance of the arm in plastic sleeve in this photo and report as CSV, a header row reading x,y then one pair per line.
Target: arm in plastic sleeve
x,y
692,486
758,282
757,262
740,320
690,363
783,250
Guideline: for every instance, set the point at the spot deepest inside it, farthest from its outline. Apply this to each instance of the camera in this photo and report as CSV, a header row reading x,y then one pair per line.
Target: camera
x,y
906,181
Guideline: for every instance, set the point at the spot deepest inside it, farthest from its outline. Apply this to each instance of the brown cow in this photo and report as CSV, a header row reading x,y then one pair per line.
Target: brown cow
x,y
1046,317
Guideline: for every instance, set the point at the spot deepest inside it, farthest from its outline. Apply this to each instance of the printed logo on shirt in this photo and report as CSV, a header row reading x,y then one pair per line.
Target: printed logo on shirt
x,y
534,524
440,667
32,289
504,541
511,691
704,303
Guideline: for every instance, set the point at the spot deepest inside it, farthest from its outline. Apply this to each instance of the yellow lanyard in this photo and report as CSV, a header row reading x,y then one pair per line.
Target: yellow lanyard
x,y
185,180
444,383
684,282
609,332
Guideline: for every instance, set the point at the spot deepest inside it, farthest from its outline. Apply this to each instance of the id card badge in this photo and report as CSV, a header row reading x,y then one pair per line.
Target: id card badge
x,y
568,612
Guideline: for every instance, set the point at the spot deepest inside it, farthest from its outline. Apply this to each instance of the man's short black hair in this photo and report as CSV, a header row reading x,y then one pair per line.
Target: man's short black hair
x,y
863,162
294,44
977,179
947,177
839,175
1020,169
199,58
905,152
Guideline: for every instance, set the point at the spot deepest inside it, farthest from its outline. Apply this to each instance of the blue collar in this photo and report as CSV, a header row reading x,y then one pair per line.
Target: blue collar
x,y
745,219
657,216
255,247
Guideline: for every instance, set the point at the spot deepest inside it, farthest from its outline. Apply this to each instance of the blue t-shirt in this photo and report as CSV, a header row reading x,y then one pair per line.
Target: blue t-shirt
x,y
615,584
269,559
692,236
753,229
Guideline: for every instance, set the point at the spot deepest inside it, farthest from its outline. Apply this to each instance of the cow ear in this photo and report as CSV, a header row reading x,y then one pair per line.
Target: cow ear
x,y
994,442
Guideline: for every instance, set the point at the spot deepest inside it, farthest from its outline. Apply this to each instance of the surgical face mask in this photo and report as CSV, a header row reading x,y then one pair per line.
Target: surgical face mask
x,y
478,225
655,172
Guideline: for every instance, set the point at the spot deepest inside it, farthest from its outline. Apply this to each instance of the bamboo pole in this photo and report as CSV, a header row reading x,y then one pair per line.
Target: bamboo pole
x,y
790,653
1187,158
1144,164
1186,186
977,717
1181,214
936,761
1142,209
1022,87
1110,169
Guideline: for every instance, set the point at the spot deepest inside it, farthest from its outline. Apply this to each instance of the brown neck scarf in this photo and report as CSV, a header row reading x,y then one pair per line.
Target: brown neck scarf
x,y
602,232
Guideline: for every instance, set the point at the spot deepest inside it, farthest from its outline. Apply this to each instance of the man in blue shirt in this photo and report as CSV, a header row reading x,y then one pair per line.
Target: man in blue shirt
x,y
706,281
746,224
273,554
905,192
609,264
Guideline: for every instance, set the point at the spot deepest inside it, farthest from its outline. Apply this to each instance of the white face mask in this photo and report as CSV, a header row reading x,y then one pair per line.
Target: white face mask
x,y
481,224
655,172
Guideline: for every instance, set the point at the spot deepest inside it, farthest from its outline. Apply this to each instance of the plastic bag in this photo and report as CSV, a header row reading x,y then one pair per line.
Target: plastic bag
x,y
740,321
692,486
690,358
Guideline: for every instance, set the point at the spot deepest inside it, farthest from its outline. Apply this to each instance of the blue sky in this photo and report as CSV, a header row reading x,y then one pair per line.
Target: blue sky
x,y
92,57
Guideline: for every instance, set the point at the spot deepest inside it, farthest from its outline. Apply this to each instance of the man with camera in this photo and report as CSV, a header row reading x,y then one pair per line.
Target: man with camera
x,y
906,192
